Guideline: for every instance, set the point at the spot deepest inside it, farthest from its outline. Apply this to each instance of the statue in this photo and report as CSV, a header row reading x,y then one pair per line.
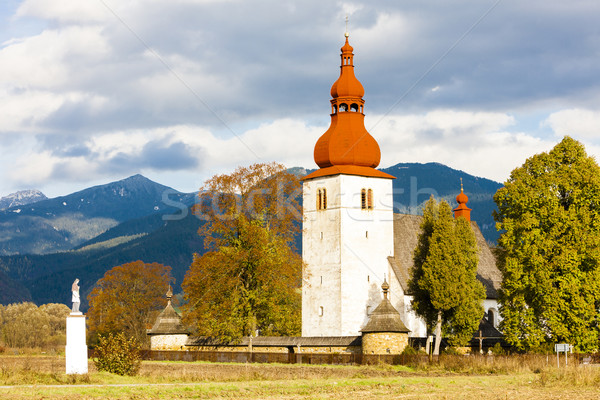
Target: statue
x,y
75,298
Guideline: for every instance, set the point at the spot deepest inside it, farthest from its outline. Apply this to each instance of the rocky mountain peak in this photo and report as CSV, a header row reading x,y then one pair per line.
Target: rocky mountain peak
x,y
21,198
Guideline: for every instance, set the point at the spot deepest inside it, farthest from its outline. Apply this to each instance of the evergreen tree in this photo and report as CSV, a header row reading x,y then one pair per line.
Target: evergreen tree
x,y
549,210
250,277
444,285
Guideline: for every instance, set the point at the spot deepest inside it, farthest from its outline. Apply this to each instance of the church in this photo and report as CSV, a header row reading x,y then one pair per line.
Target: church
x,y
357,252
352,240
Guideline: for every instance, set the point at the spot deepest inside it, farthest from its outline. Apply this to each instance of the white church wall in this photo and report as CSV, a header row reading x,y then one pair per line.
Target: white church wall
x,y
320,253
345,249
396,294
417,325
412,321
492,304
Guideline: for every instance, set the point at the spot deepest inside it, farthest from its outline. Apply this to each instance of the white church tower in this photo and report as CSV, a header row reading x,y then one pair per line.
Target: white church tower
x,y
348,218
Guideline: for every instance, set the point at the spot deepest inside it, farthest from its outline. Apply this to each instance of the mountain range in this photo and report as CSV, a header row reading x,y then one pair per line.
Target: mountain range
x,y
21,198
45,245
62,223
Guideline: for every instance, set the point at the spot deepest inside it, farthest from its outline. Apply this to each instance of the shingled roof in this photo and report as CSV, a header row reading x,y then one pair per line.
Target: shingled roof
x,y
279,341
385,318
406,232
168,322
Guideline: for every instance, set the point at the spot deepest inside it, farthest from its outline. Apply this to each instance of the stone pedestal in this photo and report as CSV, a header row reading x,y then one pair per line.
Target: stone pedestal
x,y
76,352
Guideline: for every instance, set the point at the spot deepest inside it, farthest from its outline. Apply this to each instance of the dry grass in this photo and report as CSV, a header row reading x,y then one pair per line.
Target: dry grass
x,y
451,378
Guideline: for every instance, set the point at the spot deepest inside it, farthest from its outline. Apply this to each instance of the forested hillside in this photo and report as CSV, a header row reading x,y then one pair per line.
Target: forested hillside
x,y
169,235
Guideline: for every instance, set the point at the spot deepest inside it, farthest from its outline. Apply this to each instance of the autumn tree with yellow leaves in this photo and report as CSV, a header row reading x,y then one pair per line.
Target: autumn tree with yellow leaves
x,y
249,279
127,299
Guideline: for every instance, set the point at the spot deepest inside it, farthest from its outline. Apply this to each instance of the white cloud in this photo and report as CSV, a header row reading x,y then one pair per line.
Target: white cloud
x,y
65,11
288,141
89,76
575,122
475,142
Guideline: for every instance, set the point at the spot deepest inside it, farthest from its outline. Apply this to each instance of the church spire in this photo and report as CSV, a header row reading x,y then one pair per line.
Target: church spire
x,y
462,210
347,147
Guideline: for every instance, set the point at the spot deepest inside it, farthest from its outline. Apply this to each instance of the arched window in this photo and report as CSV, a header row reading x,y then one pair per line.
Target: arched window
x,y
334,109
354,107
490,316
343,107
321,199
366,199
363,199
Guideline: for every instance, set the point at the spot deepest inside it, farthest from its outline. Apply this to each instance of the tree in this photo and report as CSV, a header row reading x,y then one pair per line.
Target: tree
x,y
127,299
549,213
25,325
250,277
118,354
57,322
444,285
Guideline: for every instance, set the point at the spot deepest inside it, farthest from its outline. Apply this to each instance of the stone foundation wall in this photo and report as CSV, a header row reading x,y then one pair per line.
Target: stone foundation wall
x,y
330,350
168,342
384,342
243,349
275,349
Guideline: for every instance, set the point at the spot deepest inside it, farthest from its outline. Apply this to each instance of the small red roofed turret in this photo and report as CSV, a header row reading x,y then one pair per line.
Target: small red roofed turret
x,y
462,210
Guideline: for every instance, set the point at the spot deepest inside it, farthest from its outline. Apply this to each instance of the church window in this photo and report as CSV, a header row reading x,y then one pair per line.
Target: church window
x,y
321,235
321,199
354,107
335,108
368,310
367,234
366,199
491,317
343,107
363,199
320,311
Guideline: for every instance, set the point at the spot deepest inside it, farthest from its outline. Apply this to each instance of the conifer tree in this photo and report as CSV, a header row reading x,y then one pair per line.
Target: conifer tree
x,y
249,279
549,212
444,285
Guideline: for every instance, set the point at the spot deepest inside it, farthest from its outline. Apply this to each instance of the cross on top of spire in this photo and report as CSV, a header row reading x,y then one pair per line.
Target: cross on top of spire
x,y
346,33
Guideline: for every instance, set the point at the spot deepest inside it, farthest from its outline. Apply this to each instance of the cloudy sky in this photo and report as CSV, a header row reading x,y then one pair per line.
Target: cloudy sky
x,y
93,91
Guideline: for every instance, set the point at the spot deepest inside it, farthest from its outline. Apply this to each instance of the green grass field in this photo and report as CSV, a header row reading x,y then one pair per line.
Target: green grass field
x,y
36,377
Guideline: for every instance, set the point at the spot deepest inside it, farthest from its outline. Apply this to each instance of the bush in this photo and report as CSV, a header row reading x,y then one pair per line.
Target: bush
x,y
410,351
542,348
452,351
118,354
497,350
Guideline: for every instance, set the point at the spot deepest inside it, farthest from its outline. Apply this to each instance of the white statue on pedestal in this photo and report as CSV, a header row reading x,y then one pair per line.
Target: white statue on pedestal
x,y
75,299
76,352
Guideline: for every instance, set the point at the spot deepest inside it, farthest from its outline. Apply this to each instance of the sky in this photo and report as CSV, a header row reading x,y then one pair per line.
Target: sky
x,y
180,90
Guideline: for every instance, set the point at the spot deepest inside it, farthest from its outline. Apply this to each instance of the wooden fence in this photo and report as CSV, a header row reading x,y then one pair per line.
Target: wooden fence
x,y
285,358
512,361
